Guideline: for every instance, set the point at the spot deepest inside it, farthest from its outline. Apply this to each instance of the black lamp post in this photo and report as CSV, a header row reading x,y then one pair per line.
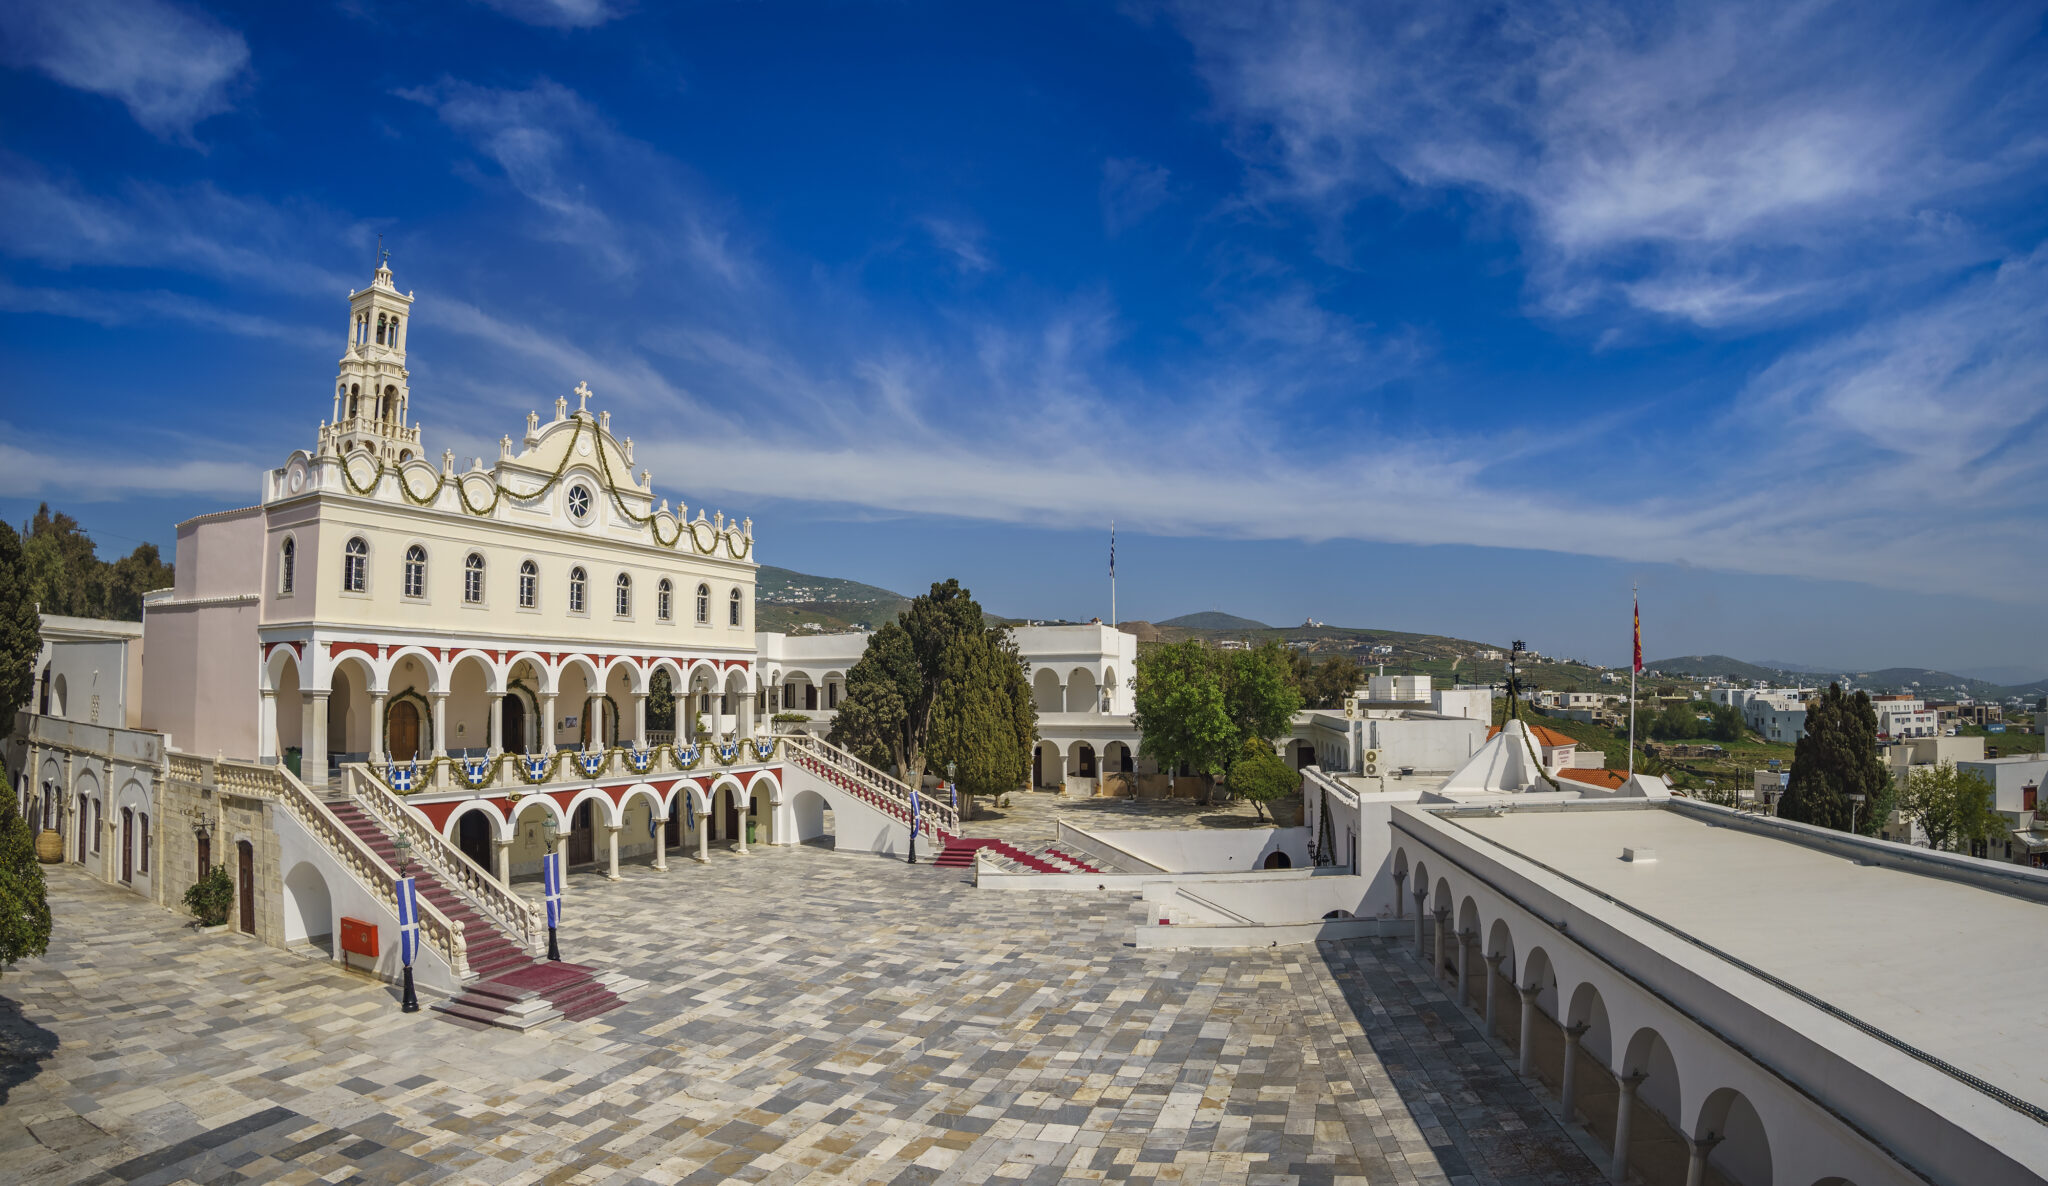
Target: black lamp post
x,y
410,1003
548,833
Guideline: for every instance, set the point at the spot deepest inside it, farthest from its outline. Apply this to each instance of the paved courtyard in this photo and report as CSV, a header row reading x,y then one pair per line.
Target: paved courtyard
x,y
809,1016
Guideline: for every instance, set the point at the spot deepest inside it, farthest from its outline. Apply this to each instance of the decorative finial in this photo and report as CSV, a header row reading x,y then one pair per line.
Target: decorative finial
x,y
721,520
750,527
583,397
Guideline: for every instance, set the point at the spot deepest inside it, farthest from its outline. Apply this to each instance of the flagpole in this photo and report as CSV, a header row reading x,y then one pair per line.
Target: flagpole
x,y
1112,574
1635,662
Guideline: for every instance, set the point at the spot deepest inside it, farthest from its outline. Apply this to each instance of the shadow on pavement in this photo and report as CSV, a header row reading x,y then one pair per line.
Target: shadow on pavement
x,y
24,1047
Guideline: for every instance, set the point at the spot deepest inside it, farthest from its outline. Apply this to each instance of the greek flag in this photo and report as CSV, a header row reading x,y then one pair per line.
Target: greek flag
x,y
650,825
915,813
955,788
401,778
689,811
551,886
408,921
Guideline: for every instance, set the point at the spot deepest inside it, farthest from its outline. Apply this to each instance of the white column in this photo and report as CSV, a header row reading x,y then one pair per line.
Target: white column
x,y
703,838
661,843
742,837
1441,946
377,728
596,716
612,841
1696,1154
313,722
266,727
1568,1083
440,724
504,862
1527,1052
496,726
1421,919
1492,986
547,723
1466,940
1624,1112
639,720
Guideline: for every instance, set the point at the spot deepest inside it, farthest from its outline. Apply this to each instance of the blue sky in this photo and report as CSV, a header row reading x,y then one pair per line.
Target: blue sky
x,y
1429,317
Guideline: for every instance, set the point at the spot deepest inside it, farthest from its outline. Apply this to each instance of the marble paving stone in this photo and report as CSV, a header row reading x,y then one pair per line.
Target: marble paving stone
x,y
808,1016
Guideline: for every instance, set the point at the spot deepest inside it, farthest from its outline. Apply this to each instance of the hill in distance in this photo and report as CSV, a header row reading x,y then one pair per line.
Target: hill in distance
x,y
1920,680
1213,620
792,602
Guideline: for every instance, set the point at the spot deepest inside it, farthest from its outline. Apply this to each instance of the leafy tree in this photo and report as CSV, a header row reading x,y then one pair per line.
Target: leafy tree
x,y
1180,713
941,685
1675,723
1953,807
1257,694
1728,724
66,575
1260,776
1836,758
24,906
1325,684
21,638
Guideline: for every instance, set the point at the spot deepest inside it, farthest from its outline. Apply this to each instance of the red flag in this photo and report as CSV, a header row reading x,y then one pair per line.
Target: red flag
x,y
1639,634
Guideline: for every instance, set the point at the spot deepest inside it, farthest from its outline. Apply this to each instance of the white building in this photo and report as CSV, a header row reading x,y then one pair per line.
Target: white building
x,y
1395,724
1904,717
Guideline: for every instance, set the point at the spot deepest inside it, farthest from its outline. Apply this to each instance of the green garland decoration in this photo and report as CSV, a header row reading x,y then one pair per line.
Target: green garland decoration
x,y
739,551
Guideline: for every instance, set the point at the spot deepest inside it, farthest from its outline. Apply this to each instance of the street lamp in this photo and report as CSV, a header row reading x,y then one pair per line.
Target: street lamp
x,y
404,847
548,834
1855,801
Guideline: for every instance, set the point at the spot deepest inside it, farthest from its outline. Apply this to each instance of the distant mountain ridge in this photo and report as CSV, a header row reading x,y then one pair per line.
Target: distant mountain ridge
x,y
1213,620
1923,680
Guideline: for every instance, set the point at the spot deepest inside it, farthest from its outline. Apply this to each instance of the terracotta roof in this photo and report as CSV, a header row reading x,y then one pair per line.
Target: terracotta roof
x,y
1611,779
1547,738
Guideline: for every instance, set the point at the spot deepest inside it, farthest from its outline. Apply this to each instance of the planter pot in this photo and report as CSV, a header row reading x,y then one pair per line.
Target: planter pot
x,y
49,846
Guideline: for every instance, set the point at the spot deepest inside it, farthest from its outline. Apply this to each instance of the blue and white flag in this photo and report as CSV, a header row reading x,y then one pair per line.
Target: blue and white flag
x,y
689,811
551,886
915,813
402,777
651,825
408,921
955,788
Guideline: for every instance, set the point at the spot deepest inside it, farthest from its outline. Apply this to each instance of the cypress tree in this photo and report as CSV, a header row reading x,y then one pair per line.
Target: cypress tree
x,y
1835,758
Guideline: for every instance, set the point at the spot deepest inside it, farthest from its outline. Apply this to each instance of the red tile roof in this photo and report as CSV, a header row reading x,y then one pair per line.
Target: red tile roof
x,y
1547,738
1611,779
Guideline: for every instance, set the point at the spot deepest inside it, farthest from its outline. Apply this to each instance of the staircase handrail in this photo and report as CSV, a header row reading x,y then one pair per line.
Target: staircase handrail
x,y
517,916
440,932
937,818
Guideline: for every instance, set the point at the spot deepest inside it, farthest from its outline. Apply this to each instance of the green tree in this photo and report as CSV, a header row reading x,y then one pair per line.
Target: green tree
x,y
939,684
661,701
1953,807
1258,694
1180,714
24,904
1260,776
124,582
1675,723
21,637
66,575
1835,758
1727,723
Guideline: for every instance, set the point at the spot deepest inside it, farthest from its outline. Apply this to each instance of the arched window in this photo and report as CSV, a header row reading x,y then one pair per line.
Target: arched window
x,y
732,609
473,579
394,333
704,603
355,566
416,571
355,392
623,603
287,564
664,598
380,329
576,583
529,584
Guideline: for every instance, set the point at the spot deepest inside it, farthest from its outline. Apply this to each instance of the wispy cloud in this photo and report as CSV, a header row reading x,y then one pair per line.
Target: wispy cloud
x,y
172,67
1715,164
1131,191
34,464
961,241
557,14
126,308
627,205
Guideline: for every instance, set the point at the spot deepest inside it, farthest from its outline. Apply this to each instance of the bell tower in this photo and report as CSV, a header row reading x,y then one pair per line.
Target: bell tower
x,y
371,394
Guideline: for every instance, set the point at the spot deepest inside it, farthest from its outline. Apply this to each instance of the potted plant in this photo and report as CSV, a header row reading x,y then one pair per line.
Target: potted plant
x,y
211,896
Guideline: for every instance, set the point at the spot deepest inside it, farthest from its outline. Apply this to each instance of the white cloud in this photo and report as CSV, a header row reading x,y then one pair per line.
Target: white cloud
x,y
557,14
172,67
32,465
125,308
1131,191
962,242
1716,164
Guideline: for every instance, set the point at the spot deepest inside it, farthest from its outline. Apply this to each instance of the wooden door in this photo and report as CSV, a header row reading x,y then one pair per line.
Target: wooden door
x,y
205,854
473,834
1037,767
127,844
732,816
402,727
674,828
512,726
582,844
246,888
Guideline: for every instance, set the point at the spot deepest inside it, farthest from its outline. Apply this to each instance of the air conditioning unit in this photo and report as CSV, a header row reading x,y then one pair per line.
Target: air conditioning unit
x,y
1372,757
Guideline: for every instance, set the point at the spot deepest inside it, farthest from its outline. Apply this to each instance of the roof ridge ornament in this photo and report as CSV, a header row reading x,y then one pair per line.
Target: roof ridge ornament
x,y
583,396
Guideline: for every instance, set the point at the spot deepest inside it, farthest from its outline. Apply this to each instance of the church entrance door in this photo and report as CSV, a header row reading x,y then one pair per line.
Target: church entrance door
x,y
582,843
512,725
246,889
473,836
403,731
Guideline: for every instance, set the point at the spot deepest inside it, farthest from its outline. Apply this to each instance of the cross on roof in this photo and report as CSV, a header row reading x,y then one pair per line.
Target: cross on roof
x,y
383,256
583,397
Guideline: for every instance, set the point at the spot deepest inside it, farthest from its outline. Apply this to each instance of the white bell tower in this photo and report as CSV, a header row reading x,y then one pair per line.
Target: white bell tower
x,y
371,394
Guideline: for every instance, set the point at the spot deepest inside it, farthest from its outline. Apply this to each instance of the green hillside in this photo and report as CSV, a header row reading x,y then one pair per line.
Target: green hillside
x,y
1212,620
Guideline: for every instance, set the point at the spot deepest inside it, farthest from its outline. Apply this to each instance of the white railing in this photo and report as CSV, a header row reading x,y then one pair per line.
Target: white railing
x,y
277,784
517,771
936,817
519,918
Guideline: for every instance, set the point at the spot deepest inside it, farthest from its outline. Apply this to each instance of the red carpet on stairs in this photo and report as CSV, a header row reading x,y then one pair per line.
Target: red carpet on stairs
x,y
505,974
960,852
